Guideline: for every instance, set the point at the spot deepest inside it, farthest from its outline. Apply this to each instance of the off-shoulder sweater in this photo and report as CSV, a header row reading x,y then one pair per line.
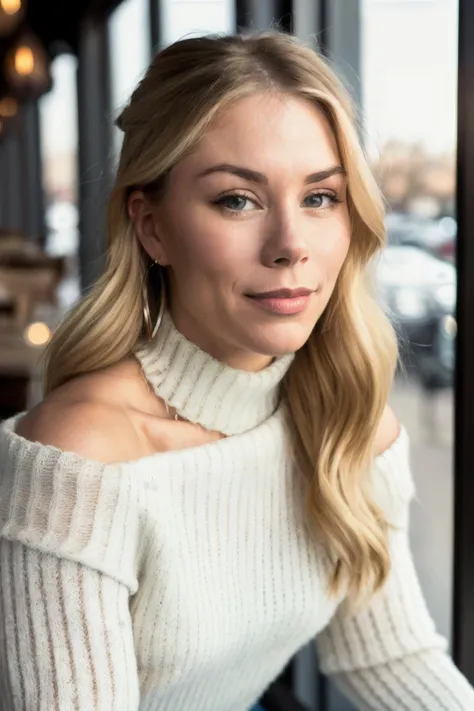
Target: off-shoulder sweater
x,y
186,580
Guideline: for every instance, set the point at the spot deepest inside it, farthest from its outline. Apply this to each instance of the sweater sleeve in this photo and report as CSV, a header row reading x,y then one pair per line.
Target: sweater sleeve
x,y
387,656
69,540
66,635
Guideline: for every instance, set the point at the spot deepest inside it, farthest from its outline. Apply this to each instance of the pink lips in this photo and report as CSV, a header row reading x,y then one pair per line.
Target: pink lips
x,y
284,301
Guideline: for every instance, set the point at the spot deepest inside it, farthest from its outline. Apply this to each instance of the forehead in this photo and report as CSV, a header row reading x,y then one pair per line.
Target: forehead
x,y
270,130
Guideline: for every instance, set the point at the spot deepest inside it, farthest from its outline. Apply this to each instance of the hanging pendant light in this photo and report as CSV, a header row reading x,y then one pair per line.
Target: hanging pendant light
x,y
11,14
27,67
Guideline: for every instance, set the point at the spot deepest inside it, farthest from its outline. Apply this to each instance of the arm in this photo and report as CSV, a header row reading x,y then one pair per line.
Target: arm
x,y
387,656
66,635
69,539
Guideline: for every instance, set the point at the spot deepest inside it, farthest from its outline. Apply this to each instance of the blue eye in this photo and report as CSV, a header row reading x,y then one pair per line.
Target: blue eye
x,y
235,202
321,200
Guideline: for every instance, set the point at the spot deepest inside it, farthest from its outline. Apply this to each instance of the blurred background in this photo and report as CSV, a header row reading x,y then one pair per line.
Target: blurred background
x,y
65,71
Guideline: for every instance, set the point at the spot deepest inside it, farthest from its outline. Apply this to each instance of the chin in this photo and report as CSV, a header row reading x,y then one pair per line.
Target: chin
x,y
280,339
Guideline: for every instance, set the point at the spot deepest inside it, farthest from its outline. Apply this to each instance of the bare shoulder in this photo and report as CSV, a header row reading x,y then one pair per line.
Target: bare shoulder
x,y
387,431
89,416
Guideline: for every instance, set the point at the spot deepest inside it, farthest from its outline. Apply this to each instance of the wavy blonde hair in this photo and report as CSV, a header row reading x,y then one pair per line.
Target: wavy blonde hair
x,y
338,385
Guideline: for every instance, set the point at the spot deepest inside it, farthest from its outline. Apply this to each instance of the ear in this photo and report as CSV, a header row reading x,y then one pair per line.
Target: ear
x,y
143,215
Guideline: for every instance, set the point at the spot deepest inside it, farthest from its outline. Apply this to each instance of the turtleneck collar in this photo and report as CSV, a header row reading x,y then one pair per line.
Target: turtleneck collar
x,y
203,390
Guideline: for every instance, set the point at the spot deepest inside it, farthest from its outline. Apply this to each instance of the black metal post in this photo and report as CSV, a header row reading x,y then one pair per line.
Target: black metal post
x,y
264,14
14,207
3,186
323,25
463,602
32,176
155,25
95,140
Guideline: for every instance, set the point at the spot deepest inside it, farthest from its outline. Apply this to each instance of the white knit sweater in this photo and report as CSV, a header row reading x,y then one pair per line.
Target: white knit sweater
x,y
185,581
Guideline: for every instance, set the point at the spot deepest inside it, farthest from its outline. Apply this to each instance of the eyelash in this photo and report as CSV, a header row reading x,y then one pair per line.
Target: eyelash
x,y
220,202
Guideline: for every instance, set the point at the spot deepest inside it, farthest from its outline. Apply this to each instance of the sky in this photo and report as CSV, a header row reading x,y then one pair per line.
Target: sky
x,y
408,67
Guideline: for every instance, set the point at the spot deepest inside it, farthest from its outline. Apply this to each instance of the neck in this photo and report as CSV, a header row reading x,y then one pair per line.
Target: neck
x,y
205,390
233,357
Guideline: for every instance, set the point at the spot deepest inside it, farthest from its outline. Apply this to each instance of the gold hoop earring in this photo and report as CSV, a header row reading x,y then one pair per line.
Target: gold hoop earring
x,y
150,329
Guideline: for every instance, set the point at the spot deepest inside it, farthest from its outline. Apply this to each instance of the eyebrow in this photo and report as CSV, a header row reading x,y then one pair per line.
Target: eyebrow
x,y
256,177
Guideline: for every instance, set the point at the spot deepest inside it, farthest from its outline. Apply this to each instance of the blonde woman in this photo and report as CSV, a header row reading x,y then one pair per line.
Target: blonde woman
x,y
214,478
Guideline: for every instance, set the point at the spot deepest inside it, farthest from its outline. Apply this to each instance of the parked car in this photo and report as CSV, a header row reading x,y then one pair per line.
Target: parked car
x,y
435,236
418,291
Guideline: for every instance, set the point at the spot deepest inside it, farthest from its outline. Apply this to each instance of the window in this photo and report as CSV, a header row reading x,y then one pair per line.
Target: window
x,y
130,50
59,148
409,84
184,18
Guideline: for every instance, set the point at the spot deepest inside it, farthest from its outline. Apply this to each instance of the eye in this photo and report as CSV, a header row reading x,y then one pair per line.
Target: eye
x,y
234,202
321,201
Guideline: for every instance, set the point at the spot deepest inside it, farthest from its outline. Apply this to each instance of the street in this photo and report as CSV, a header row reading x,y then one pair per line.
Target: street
x,y
428,419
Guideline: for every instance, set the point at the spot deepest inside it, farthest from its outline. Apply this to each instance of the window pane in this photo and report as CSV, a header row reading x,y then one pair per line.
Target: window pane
x,y
59,148
130,52
184,18
409,70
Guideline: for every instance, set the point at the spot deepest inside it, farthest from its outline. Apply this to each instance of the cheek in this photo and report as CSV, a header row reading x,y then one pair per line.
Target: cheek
x,y
331,251
204,251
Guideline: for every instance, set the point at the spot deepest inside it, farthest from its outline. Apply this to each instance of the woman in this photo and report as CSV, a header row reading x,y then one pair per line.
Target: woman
x,y
214,477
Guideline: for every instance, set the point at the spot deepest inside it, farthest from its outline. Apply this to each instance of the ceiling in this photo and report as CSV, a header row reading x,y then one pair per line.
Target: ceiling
x,y
57,22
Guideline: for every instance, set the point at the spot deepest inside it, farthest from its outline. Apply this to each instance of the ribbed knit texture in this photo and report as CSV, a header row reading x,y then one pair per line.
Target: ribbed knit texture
x,y
203,390
185,581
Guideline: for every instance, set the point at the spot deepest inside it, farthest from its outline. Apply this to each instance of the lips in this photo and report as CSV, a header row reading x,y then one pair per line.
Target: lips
x,y
282,294
285,302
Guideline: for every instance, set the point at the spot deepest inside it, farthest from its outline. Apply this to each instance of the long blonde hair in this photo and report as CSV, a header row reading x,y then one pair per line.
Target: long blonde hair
x,y
338,385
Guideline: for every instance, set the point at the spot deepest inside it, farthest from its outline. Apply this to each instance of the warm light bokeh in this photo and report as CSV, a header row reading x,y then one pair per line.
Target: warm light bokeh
x,y
24,61
10,7
37,334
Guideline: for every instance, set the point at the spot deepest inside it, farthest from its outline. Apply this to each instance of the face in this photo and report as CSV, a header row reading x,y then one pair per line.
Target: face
x,y
253,230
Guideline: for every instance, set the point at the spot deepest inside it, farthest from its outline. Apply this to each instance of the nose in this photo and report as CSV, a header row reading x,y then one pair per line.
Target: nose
x,y
286,245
